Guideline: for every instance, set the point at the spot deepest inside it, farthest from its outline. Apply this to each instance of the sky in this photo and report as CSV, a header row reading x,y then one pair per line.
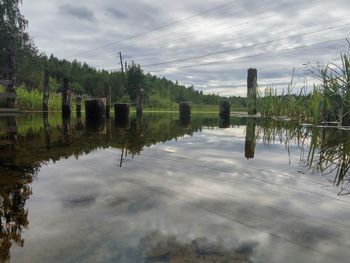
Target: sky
x,y
209,44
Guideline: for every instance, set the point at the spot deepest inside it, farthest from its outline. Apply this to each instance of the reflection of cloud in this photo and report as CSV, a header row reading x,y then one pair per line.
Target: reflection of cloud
x,y
157,247
79,200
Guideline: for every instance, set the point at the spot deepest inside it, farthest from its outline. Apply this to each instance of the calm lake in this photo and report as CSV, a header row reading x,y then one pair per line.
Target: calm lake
x,y
157,190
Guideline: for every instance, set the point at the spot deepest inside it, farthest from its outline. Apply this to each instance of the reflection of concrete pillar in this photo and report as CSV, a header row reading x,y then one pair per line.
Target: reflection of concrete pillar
x,y
122,113
224,123
140,126
79,124
66,131
47,129
250,139
8,134
96,125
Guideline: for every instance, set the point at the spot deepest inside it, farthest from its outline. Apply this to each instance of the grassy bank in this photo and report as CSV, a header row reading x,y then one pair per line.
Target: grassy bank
x,y
32,101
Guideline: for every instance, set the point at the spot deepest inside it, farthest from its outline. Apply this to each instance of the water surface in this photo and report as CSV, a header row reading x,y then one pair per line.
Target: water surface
x,y
158,190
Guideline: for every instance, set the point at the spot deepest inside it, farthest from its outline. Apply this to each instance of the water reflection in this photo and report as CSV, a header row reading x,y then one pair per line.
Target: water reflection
x,y
39,139
327,148
330,154
157,247
15,180
250,143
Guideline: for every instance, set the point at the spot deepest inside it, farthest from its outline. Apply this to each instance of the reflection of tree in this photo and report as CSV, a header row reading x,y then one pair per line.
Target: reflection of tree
x,y
15,180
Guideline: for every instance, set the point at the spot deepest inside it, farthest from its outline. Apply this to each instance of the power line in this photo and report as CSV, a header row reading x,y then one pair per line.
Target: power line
x,y
240,48
222,62
234,49
243,23
158,28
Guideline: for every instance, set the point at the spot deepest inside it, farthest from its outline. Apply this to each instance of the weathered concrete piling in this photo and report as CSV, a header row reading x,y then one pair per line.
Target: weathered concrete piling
x,y
252,90
46,91
66,110
185,111
122,112
95,109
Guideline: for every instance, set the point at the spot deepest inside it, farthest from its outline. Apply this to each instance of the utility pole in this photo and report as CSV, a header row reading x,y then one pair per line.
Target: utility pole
x,y
121,64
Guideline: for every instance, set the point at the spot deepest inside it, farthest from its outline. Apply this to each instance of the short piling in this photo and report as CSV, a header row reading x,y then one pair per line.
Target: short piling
x,y
224,113
95,109
185,111
252,90
122,113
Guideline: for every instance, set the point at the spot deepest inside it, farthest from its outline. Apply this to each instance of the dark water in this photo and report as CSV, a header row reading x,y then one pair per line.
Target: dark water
x,y
158,190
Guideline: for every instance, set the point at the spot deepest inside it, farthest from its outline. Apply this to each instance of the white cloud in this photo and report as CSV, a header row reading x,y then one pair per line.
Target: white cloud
x,y
249,28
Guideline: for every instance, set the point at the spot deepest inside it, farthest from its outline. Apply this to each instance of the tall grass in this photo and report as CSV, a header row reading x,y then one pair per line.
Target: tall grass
x,y
32,100
328,101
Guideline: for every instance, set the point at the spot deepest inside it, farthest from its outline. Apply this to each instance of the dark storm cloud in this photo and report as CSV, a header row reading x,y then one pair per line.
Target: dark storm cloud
x,y
79,12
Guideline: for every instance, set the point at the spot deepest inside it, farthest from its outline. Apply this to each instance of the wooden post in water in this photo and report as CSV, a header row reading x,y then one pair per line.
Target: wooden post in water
x,y
11,102
46,91
185,112
108,94
66,110
252,90
140,100
122,112
78,106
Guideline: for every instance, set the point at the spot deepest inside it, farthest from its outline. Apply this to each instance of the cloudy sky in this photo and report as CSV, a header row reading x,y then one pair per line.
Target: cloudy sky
x,y
206,43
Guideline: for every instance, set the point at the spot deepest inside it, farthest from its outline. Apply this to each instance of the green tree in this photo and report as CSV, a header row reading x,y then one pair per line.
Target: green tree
x,y
135,81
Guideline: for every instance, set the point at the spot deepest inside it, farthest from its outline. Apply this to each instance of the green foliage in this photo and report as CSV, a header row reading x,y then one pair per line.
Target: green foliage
x,y
135,81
